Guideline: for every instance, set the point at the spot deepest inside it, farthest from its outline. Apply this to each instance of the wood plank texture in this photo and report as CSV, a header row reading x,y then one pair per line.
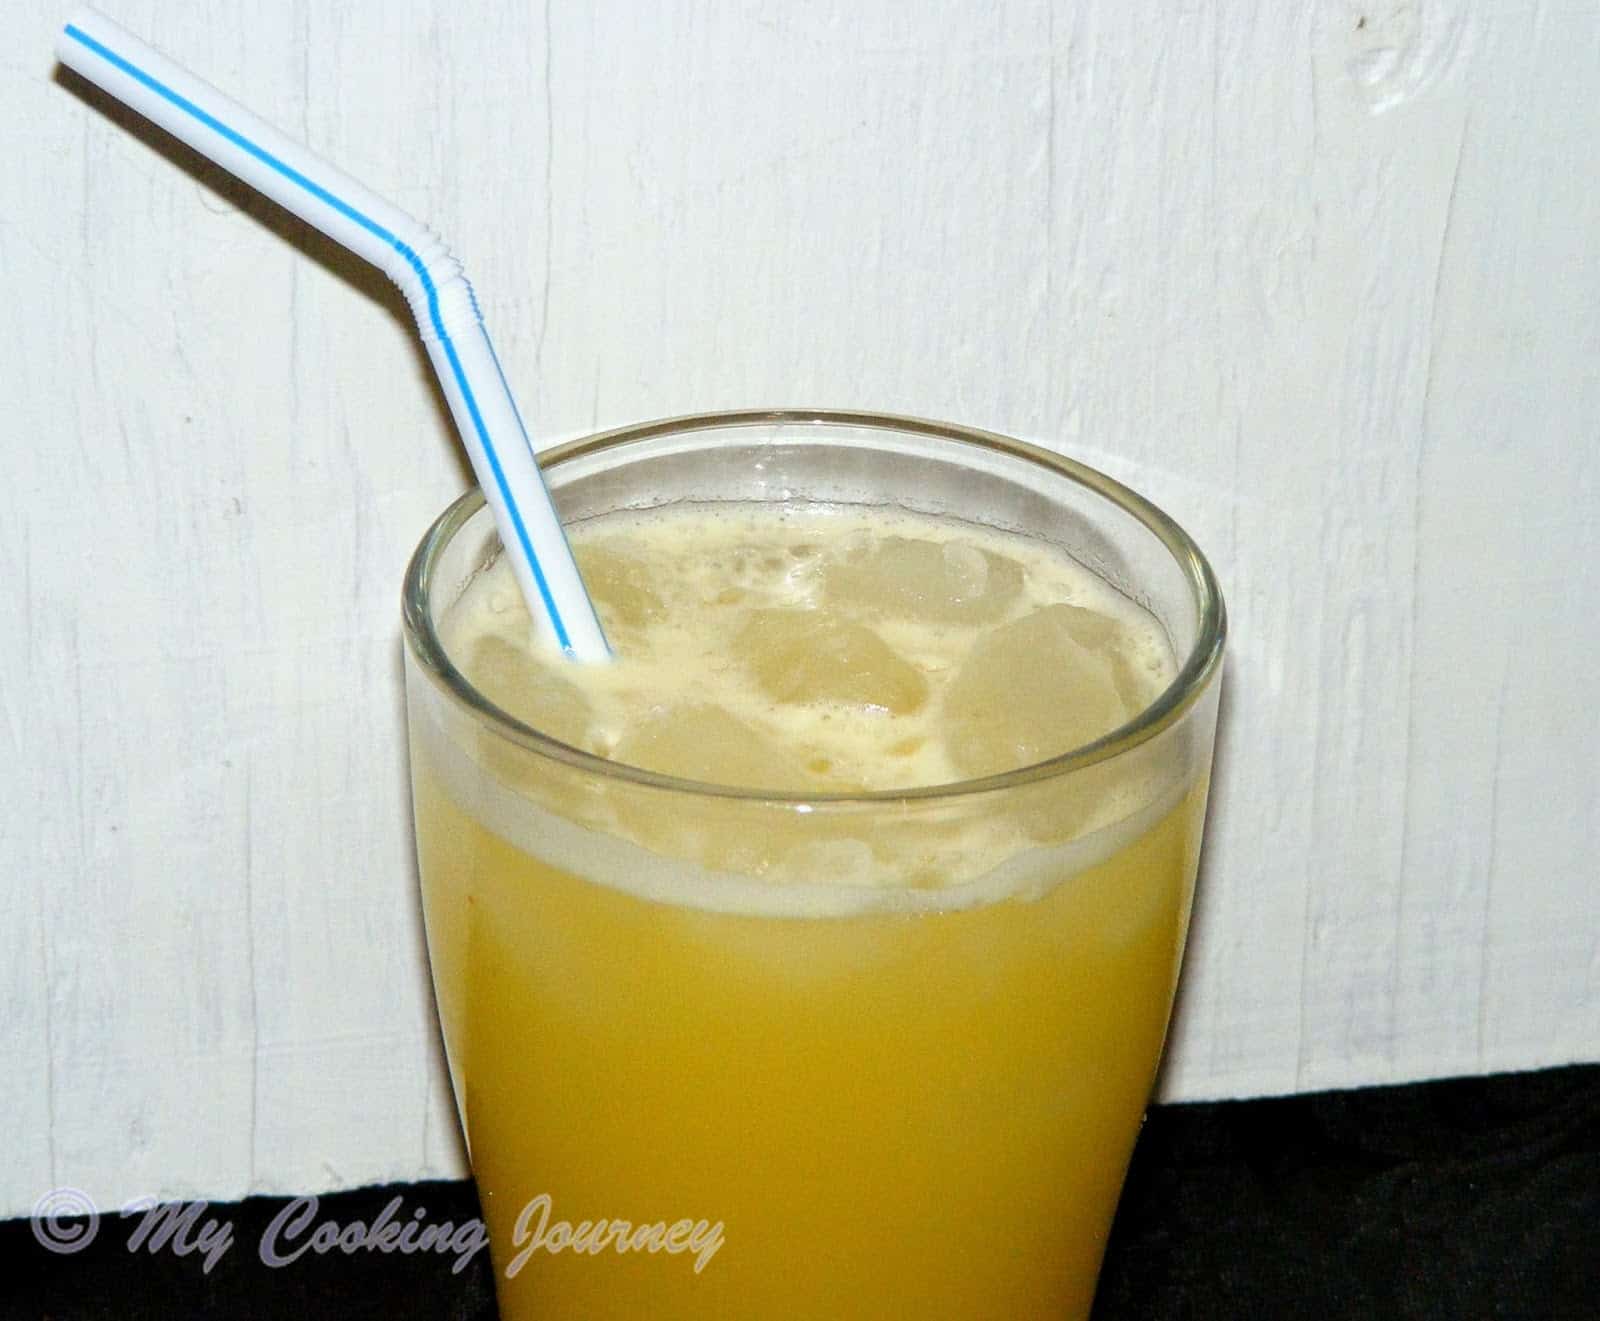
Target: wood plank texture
x,y
1321,279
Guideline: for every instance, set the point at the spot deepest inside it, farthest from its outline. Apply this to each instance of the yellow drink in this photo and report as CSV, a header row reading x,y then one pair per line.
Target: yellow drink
x,y
720,1054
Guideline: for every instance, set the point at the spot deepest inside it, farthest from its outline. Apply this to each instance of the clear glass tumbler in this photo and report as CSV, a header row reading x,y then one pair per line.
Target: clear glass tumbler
x,y
690,1090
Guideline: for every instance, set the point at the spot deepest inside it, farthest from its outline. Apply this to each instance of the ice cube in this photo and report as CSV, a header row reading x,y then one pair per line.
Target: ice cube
x,y
706,743
532,692
966,571
952,582
800,656
1109,637
1030,691
619,585
1088,628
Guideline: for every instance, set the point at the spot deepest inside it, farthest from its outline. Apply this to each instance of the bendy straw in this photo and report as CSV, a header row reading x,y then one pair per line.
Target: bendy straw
x,y
412,256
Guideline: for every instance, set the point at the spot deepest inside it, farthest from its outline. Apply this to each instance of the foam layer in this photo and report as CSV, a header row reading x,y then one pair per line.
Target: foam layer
x,y
821,648
812,649
986,858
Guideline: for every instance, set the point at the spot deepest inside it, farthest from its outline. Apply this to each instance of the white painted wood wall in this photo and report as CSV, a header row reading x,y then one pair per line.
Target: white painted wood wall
x,y
1321,278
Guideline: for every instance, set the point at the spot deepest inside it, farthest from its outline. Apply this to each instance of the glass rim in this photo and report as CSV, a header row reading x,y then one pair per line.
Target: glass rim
x,y
1194,672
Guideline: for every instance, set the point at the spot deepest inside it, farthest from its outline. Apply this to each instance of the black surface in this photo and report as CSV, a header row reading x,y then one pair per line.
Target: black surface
x,y
1469,1198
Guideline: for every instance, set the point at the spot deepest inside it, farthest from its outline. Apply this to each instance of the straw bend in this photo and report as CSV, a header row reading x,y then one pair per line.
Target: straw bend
x,y
414,257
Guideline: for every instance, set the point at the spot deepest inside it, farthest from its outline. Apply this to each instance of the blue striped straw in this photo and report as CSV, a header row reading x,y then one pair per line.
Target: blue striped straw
x,y
413,257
